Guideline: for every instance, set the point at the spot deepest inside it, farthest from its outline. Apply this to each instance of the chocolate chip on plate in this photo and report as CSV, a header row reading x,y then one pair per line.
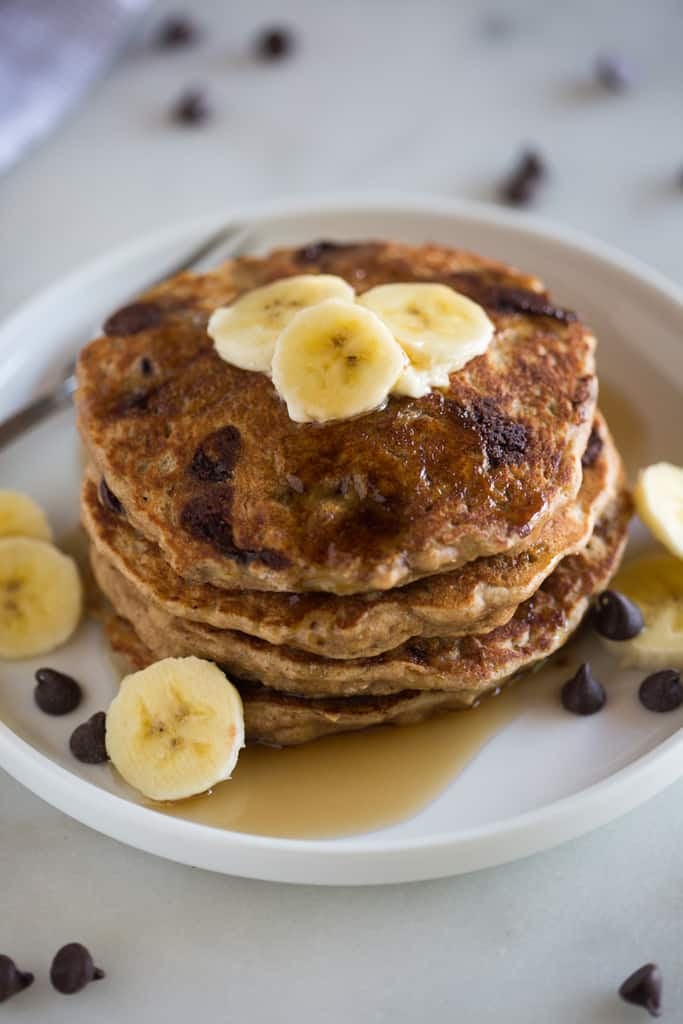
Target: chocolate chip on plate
x,y
191,107
177,30
12,980
55,692
583,694
522,184
613,72
109,499
644,988
73,968
87,740
662,691
274,44
616,617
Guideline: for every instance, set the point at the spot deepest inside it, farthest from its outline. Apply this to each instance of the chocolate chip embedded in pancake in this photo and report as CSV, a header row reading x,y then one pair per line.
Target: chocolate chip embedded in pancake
x,y
417,487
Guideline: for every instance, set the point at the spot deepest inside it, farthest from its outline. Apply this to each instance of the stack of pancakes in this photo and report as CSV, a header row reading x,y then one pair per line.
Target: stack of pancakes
x,y
362,571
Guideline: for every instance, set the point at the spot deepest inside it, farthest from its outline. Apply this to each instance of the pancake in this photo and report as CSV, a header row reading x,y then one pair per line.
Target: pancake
x,y
207,464
478,597
470,665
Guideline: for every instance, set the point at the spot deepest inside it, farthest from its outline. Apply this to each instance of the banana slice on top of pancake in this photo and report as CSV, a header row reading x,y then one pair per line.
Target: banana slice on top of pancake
x,y
175,729
245,332
335,360
439,329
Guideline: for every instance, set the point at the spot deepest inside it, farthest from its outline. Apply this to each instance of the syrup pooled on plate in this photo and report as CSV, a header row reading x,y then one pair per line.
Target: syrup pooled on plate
x,y
357,782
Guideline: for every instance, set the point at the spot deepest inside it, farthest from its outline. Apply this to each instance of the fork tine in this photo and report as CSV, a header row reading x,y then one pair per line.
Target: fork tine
x,y
237,234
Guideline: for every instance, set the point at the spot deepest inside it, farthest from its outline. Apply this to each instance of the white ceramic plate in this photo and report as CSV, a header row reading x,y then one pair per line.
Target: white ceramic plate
x,y
547,776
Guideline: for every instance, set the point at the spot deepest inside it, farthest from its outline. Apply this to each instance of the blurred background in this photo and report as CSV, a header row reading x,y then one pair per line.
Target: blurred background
x,y
120,116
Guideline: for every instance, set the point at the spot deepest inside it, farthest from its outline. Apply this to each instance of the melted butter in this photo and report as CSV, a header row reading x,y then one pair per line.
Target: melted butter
x,y
357,782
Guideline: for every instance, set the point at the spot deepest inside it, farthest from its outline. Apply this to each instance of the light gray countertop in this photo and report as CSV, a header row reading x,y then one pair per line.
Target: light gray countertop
x,y
381,94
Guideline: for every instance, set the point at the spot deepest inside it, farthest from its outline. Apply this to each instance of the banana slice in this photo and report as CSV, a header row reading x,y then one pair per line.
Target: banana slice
x,y
40,597
439,329
655,583
659,503
335,360
176,728
21,516
245,333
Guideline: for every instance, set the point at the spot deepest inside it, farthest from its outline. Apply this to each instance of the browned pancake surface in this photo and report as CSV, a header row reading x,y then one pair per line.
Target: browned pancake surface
x,y
207,463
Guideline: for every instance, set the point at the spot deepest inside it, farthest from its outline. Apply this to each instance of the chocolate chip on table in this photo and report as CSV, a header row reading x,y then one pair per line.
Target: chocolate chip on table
x,y
644,988
177,30
613,72
138,316
109,499
191,107
73,968
87,740
662,691
583,694
522,184
274,44
616,617
56,693
12,980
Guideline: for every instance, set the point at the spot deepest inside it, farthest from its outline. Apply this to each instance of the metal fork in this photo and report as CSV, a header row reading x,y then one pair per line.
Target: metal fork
x,y
59,397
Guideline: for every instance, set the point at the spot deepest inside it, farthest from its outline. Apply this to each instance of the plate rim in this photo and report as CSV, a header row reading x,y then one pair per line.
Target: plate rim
x,y
372,861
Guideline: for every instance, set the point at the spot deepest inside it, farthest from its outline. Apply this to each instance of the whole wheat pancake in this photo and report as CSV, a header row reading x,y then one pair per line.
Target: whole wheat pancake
x,y
475,598
206,462
283,718
469,665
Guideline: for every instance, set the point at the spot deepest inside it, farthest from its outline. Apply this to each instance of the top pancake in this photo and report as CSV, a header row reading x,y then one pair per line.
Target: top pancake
x,y
207,463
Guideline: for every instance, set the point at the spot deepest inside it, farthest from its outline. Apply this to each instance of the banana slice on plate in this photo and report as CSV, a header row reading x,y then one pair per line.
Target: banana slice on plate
x,y
245,333
659,503
175,729
41,597
335,360
655,583
439,329
21,516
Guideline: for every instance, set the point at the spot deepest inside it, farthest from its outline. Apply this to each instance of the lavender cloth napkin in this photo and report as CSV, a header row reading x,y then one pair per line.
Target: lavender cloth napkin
x,y
50,52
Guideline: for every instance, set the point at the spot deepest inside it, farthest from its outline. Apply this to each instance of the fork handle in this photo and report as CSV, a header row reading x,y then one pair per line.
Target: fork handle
x,y
36,411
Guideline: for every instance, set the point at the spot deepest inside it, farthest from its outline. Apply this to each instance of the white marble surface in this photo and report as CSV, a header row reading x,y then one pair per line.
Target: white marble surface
x,y
383,94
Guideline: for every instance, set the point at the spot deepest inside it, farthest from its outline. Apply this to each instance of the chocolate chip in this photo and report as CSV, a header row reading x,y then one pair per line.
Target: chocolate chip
x,y
313,252
87,741
662,691
73,968
12,980
417,652
593,449
177,30
644,988
191,107
208,518
613,72
504,440
583,694
139,316
616,617
502,299
146,366
522,184
109,499
56,693
274,44
217,455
